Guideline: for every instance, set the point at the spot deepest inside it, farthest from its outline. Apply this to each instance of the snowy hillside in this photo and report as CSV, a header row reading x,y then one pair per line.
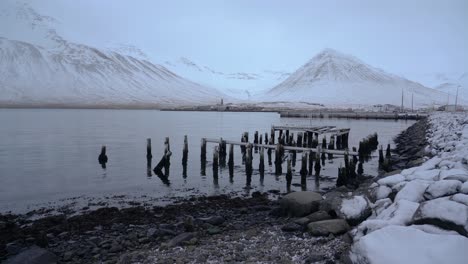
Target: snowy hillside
x,y
242,85
40,67
334,78
451,85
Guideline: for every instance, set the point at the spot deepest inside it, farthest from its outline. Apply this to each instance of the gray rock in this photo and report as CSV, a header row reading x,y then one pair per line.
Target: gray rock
x,y
180,239
33,255
354,209
213,230
13,248
318,216
115,247
291,227
302,221
2,224
213,220
443,213
68,255
300,203
327,227
331,203
151,232
442,188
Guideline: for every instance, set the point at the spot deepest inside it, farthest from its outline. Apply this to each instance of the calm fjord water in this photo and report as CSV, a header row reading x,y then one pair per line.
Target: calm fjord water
x,y
52,153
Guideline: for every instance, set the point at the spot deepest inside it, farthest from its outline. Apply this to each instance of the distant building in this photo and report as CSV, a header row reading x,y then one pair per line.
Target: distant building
x,y
385,108
451,108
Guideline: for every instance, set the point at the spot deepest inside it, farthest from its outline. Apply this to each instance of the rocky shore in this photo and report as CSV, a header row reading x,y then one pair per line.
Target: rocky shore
x,y
383,220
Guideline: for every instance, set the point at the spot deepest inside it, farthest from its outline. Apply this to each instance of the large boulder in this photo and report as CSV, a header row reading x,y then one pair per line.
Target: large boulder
x,y
391,180
300,203
413,191
460,198
381,192
454,174
464,188
442,188
398,213
355,209
407,245
426,175
327,227
443,213
33,255
332,203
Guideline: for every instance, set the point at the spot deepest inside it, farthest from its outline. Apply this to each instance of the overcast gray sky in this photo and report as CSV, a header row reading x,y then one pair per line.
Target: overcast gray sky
x,y
411,37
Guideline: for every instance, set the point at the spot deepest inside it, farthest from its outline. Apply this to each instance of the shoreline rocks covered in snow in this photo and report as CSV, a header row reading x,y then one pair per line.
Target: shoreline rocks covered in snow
x,y
421,213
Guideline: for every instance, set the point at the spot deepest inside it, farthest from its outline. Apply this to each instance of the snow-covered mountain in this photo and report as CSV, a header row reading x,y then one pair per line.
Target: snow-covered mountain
x,y
40,67
242,85
334,78
452,84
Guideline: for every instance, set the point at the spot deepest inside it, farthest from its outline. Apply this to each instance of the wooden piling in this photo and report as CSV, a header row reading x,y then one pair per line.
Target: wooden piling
x,y
278,160
303,170
203,157
261,166
317,166
360,169
149,155
331,145
231,161
311,161
272,136
103,157
269,156
309,139
185,157
388,154
248,163
289,173
381,156
215,161
256,141
266,138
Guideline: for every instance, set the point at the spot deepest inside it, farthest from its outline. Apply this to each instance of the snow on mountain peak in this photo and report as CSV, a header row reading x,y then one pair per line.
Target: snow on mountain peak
x,y
332,77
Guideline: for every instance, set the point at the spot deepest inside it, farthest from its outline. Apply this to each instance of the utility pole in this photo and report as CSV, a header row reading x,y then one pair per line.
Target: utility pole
x,y
412,109
456,99
401,110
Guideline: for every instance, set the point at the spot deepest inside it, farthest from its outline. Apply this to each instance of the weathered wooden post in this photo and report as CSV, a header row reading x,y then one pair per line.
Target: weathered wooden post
x,y
215,161
309,139
231,161
248,163
289,173
338,142
103,157
149,157
266,138
346,160
311,161
293,159
260,139
269,156
299,139
261,166
185,157
355,159
303,170
388,154
222,152
256,141
272,134
203,157
167,155
331,146
280,136
381,156
324,142
287,137
317,162
278,161
360,169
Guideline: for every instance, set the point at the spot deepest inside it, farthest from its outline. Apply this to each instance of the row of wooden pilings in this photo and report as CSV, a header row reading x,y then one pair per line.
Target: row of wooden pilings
x,y
311,160
285,140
